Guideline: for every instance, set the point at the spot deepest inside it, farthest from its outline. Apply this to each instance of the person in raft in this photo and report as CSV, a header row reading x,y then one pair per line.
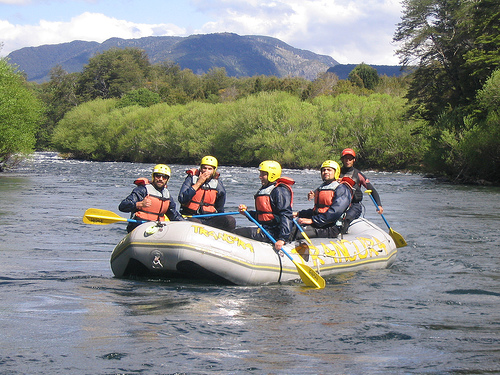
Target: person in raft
x,y
203,193
331,199
273,204
348,157
150,200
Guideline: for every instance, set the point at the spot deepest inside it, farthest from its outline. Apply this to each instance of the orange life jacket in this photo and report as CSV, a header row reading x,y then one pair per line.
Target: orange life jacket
x,y
160,201
324,195
263,200
204,199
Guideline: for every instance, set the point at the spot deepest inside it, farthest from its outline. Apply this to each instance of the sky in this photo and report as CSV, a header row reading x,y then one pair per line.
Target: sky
x,y
350,31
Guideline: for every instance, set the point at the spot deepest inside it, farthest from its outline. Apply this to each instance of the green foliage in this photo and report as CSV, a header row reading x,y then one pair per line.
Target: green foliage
x,y
473,154
113,73
59,96
364,76
437,35
275,125
141,97
456,46
484,56
374,126
84,133
395,86
20,115
480,144
125,75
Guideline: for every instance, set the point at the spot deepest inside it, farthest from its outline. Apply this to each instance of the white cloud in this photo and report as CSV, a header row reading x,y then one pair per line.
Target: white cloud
x,y
349,31
87,26
15,2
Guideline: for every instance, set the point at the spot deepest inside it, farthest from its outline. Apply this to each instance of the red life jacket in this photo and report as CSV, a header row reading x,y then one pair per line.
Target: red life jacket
x,y
349,182
263,199
160,201
204,199
324,195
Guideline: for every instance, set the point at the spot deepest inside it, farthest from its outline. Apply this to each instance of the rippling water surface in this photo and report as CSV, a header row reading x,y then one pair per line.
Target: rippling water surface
x,y
435,311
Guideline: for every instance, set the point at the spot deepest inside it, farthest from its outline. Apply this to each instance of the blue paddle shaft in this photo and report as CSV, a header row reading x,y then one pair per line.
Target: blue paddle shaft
x,y
137,221
217,214
298,225
267,234
376,205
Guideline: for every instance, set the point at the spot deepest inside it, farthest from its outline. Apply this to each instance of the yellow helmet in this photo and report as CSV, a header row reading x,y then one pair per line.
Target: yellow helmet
x,y
209,160
332,164
161,169
273,169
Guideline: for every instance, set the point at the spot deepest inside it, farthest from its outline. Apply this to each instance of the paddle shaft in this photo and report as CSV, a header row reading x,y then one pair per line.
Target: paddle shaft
x,y
302,231
398,239
376,206
307,274
216,214
268,234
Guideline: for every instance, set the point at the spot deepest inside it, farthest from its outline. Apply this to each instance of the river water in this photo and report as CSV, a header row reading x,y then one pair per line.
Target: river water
x,y
435,311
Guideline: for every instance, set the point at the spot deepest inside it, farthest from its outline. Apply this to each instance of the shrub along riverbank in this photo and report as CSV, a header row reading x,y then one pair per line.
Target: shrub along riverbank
x,y
274,125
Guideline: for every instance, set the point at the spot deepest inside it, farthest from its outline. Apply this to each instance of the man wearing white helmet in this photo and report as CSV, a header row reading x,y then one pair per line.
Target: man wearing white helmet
x,y
273,203
331,199
150,200
203,193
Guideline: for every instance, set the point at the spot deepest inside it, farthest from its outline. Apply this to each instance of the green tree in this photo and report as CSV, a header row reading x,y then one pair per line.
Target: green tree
x,y
175,86
455,46
480,144
20,115
484,56
114,73
59,96
435,34
364,76
214,81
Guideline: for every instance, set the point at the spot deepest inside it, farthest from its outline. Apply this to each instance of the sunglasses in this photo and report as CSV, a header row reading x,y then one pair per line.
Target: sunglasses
x,y
163,176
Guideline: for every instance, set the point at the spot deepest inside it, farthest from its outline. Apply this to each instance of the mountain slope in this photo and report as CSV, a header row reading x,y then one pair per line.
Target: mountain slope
x,y
241,56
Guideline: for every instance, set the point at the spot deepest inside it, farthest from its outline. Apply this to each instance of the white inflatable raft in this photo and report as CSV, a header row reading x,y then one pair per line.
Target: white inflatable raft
x,y
193,251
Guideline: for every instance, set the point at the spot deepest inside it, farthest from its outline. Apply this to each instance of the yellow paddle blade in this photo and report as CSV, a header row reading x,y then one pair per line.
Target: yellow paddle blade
x,y
306,237
398,239
101,217
309,276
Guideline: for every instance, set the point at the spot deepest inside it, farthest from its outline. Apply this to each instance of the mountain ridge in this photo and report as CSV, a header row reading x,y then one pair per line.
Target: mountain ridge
x,y
247,55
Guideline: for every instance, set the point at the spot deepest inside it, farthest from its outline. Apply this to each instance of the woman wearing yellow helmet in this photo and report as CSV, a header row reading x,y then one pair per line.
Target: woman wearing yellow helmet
x,y
331,200
150,200
203,193
273,203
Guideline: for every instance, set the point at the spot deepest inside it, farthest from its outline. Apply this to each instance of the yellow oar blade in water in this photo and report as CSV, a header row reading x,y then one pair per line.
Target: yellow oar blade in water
x,y
312,278
398,239
309,276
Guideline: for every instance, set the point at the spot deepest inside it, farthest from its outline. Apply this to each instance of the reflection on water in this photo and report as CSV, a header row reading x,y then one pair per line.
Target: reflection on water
x,y
435,311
